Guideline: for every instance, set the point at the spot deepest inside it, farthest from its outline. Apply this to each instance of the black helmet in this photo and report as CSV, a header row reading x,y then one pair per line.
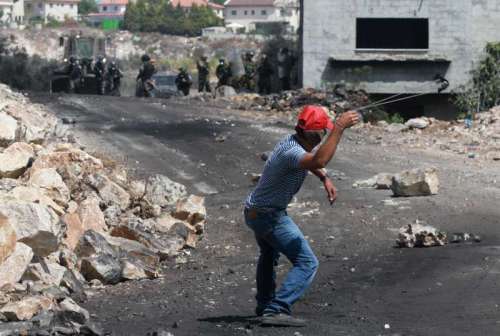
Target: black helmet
x,y
72,59
145,58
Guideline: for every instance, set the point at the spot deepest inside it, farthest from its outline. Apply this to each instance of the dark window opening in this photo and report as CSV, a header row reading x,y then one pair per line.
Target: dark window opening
x,y
392,33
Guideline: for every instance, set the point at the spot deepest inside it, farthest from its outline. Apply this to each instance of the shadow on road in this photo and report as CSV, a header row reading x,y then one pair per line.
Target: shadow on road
x,y
231,319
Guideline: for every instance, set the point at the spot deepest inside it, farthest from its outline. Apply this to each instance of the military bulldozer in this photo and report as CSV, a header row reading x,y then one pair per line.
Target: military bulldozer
x,y
85,49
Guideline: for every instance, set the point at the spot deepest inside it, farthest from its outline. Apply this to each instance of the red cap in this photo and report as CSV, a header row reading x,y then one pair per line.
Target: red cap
x,y
314,118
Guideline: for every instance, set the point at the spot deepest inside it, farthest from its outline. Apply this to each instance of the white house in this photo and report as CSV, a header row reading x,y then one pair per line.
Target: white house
x,y
247,13
109,9
13,11
187,4
59,10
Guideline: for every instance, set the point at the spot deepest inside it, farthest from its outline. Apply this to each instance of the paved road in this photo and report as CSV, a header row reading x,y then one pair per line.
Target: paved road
x,y
364,286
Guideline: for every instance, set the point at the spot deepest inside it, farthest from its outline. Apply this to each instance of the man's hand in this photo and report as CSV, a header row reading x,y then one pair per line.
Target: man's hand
x,y
331,191
347,119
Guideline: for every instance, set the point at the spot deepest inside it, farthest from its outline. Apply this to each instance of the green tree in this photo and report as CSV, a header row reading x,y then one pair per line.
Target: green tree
x,y
483,90
161,16
87,6
133,17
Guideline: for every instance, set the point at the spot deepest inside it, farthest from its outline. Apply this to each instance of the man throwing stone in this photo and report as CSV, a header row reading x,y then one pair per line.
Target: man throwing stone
x,y
265,211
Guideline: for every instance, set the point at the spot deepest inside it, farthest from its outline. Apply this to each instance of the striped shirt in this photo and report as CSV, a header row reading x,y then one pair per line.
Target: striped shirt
x,y
281,178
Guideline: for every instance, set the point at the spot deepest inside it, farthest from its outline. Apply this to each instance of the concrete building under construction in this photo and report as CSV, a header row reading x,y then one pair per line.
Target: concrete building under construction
x,y
395,46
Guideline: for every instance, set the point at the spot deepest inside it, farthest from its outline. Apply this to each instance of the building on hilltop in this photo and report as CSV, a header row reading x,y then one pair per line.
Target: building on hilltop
x,y
12,11
113,10
59,10
248,14
187,4
396,46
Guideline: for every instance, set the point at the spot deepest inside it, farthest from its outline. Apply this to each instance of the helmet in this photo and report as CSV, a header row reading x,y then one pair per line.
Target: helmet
x,y
72,59
145,58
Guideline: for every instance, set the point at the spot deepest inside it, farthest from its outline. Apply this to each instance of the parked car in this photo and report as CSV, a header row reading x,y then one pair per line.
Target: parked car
x,y
165,85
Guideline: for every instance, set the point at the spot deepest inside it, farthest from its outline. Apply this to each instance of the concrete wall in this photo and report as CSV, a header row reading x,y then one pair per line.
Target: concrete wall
x,y
458,32
246,19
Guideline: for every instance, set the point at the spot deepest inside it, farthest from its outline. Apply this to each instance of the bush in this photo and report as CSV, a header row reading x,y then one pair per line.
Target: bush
x,y
483,90
161,16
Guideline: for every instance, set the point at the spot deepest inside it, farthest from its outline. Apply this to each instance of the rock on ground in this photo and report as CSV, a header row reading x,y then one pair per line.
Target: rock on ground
x,y
419,123
69,310
417,235
162,191
26,308
91,215
8,130
15,159
14,266
379,181
191,209
110,192
35,225
416,182
7,238
50,180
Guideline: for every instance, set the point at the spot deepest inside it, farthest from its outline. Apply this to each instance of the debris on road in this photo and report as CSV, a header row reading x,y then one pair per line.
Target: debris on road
x,y
417,235
379,181
464,237
69,220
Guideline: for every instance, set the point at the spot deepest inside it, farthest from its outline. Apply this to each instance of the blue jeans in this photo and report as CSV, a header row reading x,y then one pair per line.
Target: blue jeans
x,y
276,233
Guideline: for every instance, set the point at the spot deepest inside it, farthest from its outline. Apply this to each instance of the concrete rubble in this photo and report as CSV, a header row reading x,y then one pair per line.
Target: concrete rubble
x,y
418,235
480,142
67,221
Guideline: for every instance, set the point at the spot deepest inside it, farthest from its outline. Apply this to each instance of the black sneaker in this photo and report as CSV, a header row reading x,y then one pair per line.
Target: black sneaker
x,y
282,320
259,311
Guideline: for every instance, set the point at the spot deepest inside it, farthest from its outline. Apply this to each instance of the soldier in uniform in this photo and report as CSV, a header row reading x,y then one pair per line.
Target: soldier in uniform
x,y
75,74
144,78
265,71
203,74
248,79
183,81
223,73
114,78
285,64
100,72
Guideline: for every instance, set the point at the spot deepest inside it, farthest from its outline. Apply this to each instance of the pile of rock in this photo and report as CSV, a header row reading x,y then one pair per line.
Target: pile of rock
x,y
482,140
68,221
338,100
